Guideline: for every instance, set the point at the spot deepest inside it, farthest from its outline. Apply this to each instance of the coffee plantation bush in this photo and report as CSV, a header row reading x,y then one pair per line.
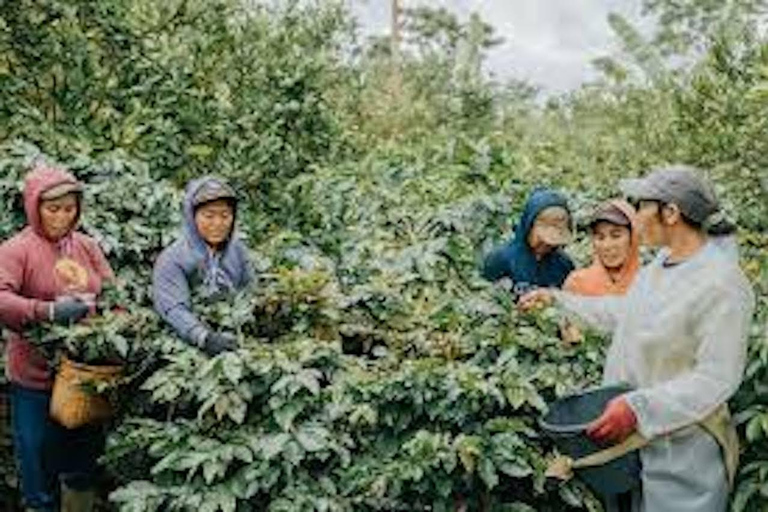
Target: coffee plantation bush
x,y
376,370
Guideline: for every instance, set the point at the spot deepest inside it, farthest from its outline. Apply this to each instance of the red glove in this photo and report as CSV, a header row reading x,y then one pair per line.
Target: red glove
x,y
616,423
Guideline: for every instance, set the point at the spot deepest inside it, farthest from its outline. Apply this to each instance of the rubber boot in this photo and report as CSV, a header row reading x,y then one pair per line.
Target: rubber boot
x,y
76,501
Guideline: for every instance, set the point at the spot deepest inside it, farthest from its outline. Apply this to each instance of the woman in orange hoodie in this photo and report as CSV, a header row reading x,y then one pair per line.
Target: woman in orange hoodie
x,y
616,245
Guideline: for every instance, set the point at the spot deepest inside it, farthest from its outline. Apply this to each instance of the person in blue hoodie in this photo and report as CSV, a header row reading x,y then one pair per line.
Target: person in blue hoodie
x,y
534,257
209,258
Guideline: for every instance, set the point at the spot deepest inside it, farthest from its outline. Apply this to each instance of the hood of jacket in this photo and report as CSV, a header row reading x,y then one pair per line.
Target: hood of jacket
x,y
190,227
596,279
36,183
524,267
223,270
539,200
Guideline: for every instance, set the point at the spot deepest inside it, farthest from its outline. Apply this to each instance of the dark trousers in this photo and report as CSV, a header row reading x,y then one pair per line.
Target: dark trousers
x,y
48,453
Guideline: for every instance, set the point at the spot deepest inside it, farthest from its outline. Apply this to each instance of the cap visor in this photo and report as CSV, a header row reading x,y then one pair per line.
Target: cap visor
x,y
555,237
218,196
610,216
61,190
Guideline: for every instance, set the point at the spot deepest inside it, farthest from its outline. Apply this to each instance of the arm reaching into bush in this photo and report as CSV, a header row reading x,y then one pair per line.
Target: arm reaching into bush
x,y
600,313
172,299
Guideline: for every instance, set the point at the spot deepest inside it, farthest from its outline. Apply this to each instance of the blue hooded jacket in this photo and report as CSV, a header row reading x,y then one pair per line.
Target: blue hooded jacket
x,y
516,260
189,265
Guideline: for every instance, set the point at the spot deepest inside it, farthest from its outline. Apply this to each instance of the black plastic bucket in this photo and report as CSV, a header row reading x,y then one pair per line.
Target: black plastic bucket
x,y
566,423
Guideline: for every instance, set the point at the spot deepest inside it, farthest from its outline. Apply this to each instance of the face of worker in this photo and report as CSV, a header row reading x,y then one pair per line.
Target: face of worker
x,y
550,230
612,244
214,222
656,222
58,216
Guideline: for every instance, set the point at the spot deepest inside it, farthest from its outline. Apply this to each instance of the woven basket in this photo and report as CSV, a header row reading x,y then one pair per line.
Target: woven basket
x,y
74,402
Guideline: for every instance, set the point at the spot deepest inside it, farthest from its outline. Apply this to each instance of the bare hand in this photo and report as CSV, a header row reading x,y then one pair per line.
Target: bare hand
x,y
570,333
535,299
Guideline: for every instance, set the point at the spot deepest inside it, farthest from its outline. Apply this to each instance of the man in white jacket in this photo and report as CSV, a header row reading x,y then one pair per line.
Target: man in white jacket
x,y
679,338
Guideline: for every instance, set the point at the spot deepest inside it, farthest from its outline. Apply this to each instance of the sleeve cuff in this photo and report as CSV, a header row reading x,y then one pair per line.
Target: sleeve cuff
x,y
198,336
43,311
639,405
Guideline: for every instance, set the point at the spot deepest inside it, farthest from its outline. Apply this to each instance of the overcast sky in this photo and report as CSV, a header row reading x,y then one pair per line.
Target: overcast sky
x,y
547,42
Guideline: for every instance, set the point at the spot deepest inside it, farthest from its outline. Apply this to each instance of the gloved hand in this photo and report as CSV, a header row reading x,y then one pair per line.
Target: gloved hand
x,y
217,342
67,310
616,423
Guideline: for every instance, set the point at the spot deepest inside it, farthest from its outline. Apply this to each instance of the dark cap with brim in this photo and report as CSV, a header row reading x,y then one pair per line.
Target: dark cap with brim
x,y
61,190
610,213
214,190
643,188
680,185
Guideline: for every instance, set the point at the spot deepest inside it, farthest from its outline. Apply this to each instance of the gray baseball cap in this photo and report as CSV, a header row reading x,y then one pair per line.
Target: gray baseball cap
x,y
213,190
679,184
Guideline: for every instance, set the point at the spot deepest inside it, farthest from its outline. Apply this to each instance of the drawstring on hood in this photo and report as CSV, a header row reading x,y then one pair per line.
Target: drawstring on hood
x,y
188,266
215,278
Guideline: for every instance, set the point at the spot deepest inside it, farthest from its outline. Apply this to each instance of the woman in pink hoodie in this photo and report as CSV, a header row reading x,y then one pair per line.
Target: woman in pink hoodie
x,y
48,273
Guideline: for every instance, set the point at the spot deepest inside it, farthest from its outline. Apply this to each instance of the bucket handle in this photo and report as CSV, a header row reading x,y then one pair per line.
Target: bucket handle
x,y
562,466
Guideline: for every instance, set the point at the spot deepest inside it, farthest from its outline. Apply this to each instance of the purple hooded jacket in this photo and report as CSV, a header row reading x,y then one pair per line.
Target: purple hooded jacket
x,y
188,265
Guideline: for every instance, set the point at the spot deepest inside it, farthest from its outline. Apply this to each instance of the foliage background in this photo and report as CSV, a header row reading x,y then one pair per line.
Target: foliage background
x,y
378,371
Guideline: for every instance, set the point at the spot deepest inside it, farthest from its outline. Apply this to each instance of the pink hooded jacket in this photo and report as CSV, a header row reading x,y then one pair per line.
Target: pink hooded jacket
x,y
29,279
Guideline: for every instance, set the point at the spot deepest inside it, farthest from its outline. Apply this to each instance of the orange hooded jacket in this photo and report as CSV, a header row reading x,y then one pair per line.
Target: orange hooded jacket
x,y
595,279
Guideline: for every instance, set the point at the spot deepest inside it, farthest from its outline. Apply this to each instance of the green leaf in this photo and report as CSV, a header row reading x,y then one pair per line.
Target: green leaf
x,y
233,367
487,472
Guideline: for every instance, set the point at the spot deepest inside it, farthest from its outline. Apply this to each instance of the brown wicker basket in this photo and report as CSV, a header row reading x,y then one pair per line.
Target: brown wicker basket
x,y
72,403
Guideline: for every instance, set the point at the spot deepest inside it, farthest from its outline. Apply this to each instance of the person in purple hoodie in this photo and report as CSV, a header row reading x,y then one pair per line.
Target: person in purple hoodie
x,y
209,258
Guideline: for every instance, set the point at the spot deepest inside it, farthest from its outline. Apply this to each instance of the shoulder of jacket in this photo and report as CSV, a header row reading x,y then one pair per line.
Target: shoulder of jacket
x,y
241,247
503,251
578,275
562,258
728,276
567,259
86,240
18,242
178,253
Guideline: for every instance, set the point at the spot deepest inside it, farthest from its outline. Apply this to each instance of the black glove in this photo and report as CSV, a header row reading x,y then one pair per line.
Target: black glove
x,y
67,311
217,342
